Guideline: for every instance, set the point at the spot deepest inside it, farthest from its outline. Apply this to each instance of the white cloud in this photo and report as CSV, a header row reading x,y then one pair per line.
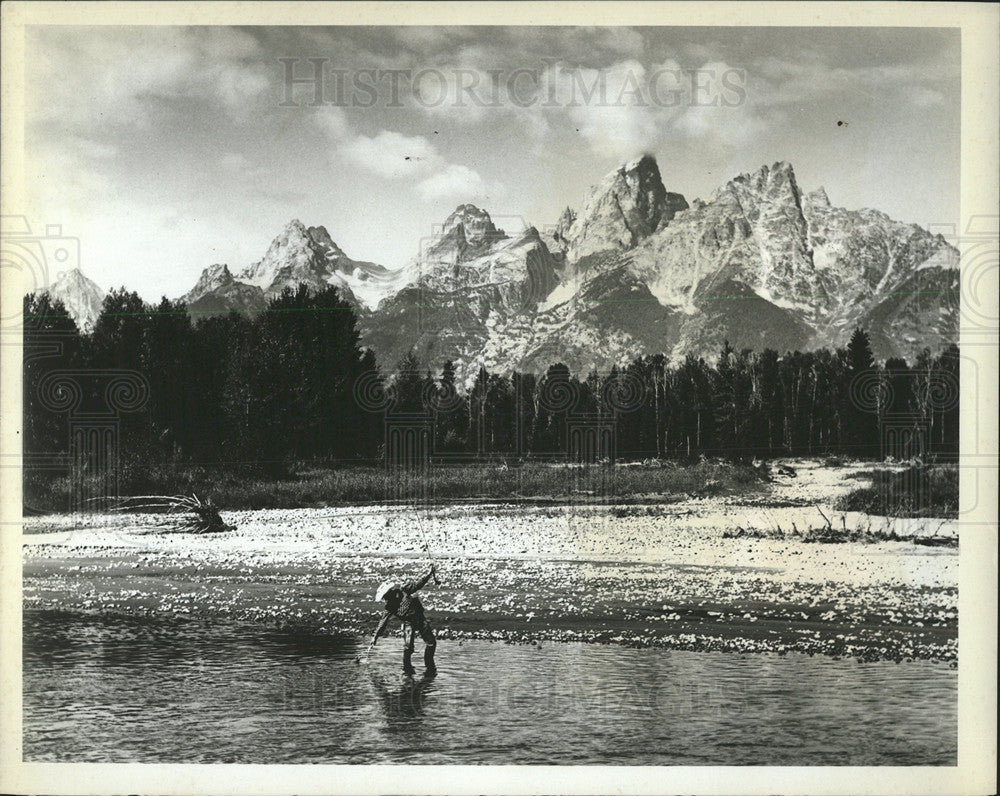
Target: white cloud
x,y
463,92
720,126
424,38
717,114
332,120
88,149
242,168
239,86
234,161
626,41
114,77
775,81
619,132
455,182
616,110
924,97
585,44
393,155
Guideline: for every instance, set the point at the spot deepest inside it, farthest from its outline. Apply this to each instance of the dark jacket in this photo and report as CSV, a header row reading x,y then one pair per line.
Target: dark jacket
x,y
405,605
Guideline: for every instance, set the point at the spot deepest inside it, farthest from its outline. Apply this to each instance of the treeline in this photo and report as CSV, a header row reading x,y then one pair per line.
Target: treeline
x,y
294,384
247,393
746,405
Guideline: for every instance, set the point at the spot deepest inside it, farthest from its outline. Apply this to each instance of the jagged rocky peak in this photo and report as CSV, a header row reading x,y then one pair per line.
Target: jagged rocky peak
x,y
81,297
474,224
293,231
556,237
673,204
531,234
776,184
73,277
294,235
322,238
297,256
817,198
212,278
294,255
467,233
626,207
761,264
565,222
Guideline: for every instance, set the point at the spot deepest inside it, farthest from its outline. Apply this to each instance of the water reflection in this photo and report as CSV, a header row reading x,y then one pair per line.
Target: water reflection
x,y
402,701
302,644
105,689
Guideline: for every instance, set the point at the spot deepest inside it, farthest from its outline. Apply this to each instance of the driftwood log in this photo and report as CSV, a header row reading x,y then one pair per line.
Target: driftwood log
x,y
192,515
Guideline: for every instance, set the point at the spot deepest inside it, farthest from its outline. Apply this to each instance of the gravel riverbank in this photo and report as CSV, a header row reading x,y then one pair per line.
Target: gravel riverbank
x,y
645,575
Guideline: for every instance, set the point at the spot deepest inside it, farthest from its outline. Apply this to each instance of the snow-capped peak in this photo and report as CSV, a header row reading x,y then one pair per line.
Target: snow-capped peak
x,y
81,297
474,224
622,210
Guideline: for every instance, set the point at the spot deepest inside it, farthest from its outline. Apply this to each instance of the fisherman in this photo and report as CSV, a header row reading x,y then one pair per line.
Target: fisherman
x,y
401,602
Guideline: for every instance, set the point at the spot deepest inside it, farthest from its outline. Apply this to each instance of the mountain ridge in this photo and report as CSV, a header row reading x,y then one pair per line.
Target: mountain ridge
x,y
636,269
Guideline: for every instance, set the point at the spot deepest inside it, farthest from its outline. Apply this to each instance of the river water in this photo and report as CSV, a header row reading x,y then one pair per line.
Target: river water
x,y
114,689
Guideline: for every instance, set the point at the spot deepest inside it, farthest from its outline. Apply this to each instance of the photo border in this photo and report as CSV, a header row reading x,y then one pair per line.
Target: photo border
x,y
975,772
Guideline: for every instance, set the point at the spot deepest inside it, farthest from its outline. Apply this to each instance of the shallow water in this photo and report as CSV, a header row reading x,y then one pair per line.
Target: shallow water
x,y
113,689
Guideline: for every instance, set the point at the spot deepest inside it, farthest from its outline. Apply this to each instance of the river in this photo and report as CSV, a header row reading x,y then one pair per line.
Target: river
x,y
120,689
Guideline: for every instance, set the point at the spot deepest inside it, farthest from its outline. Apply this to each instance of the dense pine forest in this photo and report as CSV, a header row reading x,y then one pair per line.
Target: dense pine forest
x,y
293,384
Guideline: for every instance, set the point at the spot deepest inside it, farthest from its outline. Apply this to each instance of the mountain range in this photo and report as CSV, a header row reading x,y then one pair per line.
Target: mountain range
x,y
636,269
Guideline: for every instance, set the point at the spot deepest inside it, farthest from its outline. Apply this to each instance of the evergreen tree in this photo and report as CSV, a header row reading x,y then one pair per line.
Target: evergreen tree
x,y
946,436
523,386
121,332
122,340
409,386
208,427
166,365
267,392
450,412
557,393
500,420
476,436
865,401
51,342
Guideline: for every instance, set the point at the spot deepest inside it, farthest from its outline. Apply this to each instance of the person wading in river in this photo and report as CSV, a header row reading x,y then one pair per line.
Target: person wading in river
x,y
401,602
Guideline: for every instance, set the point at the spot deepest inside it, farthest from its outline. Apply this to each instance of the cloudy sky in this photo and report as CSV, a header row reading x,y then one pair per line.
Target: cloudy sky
x,y
166,149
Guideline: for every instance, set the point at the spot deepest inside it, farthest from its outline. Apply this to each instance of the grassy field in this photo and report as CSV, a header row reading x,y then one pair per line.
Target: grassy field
x,y
310,486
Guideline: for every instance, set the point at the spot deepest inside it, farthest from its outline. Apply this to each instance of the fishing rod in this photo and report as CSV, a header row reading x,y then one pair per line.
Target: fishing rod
x,y
363,659
427,550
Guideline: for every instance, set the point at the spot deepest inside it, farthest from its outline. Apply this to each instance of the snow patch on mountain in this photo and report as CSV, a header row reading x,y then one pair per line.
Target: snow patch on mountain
x,y
81,297
622,210
298,255
636,270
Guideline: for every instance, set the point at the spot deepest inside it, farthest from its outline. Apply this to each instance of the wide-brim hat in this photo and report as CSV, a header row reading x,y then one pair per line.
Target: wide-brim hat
x,y
384,589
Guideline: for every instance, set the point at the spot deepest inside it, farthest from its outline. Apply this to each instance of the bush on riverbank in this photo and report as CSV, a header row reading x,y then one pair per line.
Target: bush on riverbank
x,y
311,486
916,491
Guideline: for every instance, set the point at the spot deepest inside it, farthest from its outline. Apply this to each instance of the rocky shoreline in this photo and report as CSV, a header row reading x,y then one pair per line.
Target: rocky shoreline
x,y
664,577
